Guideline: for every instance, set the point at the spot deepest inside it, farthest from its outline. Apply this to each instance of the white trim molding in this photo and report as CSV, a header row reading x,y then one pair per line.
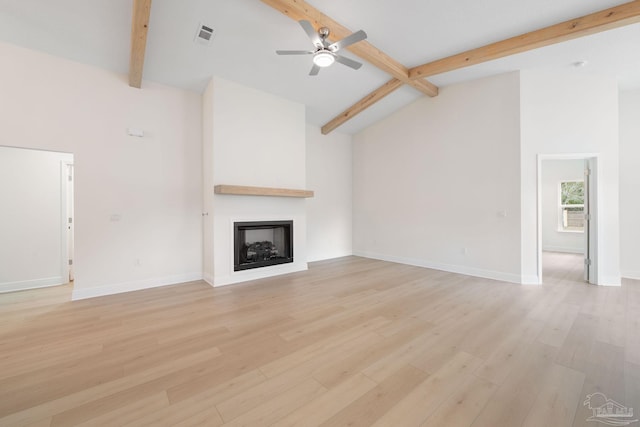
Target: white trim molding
x,y
31,284
138,285
460,269
208,278
611,281
259,273
633,275
530,280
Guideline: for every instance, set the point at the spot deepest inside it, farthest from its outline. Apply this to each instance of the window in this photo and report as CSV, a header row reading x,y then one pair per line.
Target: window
x,y
571,206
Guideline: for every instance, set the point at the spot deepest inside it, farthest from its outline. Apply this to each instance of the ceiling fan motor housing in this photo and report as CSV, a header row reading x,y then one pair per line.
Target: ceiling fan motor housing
x,y
324,32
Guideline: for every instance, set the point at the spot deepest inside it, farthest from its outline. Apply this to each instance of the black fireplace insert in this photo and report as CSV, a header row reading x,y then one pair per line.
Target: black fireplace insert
x,y
262,243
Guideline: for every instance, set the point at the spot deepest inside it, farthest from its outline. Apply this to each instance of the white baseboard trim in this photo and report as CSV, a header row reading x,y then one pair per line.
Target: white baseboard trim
x,y
610,281
137,285
329,256
633,275
530,280
259,273
563,249
460,269
208,278
31,284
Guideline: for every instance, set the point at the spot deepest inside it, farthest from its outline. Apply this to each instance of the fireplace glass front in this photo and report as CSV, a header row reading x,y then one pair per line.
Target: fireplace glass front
x,y
262,243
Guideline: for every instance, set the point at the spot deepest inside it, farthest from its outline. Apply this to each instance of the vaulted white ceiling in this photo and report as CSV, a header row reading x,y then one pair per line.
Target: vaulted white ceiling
x,y
247,33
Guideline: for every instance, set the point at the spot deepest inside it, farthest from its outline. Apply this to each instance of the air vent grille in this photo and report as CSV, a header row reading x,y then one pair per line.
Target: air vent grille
x,y
204,34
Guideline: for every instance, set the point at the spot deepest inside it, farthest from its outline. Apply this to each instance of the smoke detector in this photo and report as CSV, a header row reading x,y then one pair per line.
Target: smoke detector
x,y
204,34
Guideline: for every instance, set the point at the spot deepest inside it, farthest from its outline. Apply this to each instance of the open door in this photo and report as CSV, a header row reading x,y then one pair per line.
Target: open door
x,y
587,221
579,215
69,218
590,241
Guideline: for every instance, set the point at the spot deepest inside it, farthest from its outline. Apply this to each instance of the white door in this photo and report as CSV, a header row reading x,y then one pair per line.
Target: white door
x,y
587,221
70,219
590,223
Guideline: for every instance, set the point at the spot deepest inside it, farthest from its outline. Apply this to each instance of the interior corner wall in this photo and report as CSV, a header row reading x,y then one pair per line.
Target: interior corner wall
x,y
329,212
571,113
630,183
437,184
553,172
138,201
258,140
32,225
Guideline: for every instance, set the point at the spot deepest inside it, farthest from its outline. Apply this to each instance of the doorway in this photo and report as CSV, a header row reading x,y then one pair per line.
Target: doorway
x,y
567,220
36,221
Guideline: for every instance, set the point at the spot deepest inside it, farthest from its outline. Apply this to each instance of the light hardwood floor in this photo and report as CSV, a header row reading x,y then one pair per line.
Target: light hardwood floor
x,y
350,342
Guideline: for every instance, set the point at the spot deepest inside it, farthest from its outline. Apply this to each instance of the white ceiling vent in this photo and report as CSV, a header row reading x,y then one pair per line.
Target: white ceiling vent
x,y
204,34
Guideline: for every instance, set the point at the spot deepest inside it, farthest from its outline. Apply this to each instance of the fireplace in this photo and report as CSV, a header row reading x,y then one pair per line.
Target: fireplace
x,y
262,243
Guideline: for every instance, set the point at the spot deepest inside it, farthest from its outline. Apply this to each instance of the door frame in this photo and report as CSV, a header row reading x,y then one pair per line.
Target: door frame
x,y
593,159
66,212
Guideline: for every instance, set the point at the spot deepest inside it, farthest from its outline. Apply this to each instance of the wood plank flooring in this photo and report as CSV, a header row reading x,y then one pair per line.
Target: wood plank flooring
x,y
352,341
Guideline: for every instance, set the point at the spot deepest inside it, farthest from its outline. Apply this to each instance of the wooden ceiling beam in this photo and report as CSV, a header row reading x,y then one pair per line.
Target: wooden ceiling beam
x,y
139,27
615,17
299,10
618,16
362,105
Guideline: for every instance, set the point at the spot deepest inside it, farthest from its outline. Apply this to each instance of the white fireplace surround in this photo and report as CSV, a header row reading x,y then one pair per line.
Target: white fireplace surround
x,y
228,276
271,153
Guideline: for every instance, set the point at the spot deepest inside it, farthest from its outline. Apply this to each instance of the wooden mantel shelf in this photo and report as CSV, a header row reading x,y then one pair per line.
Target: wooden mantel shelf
x,y
240,190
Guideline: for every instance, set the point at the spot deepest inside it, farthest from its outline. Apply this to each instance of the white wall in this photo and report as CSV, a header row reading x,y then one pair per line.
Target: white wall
x,y
441,176
257,140
630,183
329,212
571,112
153,185
553,172
31,219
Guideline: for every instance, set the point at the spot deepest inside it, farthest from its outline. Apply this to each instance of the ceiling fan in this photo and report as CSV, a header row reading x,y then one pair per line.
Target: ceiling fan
x,y
325,53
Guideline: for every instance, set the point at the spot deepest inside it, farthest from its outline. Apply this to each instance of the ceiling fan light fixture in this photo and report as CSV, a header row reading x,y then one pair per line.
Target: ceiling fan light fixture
x,y
323,59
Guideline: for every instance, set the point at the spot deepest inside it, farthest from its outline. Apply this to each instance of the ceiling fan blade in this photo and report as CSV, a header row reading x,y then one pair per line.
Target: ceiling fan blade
x,y
314,70
348,62
293,52
312,33
348,41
